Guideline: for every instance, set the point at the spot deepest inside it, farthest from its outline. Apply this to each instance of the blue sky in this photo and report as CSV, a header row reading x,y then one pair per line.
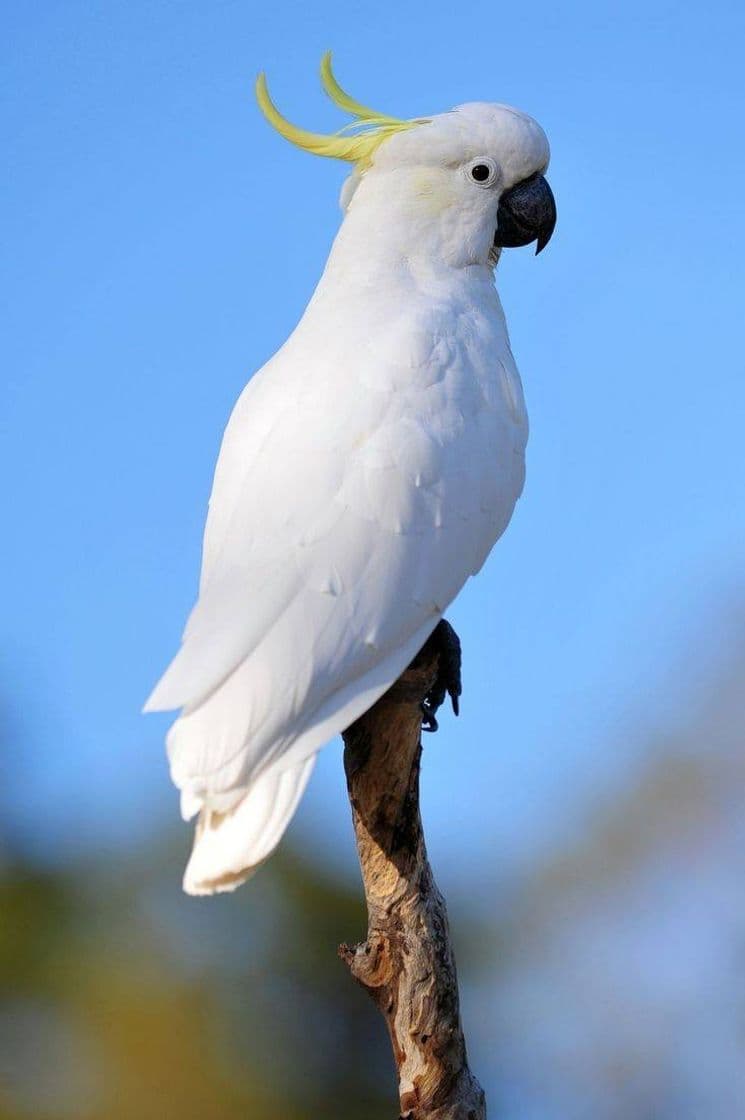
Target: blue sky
x,y
161,242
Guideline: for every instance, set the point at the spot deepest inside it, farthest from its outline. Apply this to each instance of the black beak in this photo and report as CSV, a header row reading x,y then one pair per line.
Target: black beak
x,y
527,212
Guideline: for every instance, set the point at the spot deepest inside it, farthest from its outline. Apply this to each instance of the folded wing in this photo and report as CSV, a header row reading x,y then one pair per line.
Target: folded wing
x,y
349,506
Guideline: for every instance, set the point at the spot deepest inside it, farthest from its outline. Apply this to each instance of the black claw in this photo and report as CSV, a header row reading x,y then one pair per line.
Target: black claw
x,y
429,719
448,681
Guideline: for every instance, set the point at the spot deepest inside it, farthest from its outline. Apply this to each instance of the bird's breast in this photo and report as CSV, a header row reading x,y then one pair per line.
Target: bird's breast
x,y
442,451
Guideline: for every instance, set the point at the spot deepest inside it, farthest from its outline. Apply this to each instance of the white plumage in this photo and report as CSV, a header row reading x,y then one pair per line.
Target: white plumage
x,y
365,473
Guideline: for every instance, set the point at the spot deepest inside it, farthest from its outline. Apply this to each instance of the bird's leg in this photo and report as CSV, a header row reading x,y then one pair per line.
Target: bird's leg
x,y
448,683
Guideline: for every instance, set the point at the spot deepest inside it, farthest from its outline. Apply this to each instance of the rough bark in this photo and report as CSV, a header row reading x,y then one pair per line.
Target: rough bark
x,y
406,964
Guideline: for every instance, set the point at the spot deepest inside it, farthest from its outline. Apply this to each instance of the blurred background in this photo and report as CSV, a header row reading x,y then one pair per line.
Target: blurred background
x,y
586,815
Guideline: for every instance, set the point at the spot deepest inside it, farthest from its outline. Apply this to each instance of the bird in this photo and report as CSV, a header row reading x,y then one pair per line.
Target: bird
x,y
366,471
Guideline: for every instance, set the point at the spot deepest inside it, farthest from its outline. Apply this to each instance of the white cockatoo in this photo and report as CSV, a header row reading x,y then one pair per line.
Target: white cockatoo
x,y
365,473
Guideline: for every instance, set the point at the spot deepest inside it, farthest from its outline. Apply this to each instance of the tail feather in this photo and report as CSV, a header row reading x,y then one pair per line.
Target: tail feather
x,y
228,847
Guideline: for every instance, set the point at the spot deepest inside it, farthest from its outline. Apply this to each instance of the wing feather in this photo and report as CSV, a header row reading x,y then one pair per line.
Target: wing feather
x,y
349,507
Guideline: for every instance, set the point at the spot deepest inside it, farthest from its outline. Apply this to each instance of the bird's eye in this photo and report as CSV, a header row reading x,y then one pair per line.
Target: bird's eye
x,y
482,171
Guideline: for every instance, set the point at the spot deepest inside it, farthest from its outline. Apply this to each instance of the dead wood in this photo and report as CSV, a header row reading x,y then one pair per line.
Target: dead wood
x,y
406,963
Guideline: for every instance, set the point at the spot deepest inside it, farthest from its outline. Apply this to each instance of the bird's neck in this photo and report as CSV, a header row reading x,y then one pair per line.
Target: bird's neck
x,y
402,221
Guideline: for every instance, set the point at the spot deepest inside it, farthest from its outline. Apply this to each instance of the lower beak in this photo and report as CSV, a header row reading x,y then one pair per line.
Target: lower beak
x,y
527,212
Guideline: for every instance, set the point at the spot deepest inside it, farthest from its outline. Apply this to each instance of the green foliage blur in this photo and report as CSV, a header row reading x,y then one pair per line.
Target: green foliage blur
x,y
124,998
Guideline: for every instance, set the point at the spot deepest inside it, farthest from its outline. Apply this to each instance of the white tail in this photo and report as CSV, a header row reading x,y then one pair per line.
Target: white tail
x,y
228,847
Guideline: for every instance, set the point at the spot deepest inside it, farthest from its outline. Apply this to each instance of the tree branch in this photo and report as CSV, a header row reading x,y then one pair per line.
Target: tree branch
x,y
406,964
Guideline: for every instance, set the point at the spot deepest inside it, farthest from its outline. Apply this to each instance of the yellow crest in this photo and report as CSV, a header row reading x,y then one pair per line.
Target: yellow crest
x,y
356,146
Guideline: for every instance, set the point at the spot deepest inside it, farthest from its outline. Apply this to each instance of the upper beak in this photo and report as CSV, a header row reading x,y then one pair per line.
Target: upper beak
x,y
527,212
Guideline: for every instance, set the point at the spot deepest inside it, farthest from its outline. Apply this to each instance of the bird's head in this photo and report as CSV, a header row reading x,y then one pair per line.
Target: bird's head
x,y
467,183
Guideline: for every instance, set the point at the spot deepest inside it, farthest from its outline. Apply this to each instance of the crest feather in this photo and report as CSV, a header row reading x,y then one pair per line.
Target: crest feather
x,y
355,147
348,104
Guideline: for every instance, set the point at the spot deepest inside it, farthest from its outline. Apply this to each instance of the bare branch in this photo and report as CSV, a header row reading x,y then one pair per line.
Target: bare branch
x,y
406,964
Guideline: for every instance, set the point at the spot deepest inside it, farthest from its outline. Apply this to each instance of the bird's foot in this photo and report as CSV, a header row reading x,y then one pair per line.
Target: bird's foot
x,y
448,682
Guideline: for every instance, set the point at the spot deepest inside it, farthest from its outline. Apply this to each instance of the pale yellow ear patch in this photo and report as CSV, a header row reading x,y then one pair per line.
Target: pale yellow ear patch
x,y
434,189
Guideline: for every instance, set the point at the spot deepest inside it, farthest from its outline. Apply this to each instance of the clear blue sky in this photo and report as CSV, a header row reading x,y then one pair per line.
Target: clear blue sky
x,y
161,242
